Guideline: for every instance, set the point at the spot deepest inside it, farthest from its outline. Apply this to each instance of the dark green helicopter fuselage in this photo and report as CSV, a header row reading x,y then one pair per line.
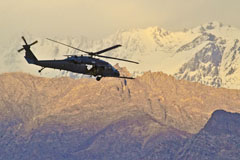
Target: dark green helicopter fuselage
x,y
79,64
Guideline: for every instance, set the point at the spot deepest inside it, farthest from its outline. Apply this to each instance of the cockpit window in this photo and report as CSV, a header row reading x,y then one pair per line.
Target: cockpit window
x,y
109,67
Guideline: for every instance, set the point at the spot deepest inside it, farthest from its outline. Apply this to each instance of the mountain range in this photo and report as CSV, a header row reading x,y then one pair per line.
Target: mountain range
x,y
154,116
208,54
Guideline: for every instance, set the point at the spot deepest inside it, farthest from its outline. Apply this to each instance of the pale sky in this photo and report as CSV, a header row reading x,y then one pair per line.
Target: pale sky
x,y
96,19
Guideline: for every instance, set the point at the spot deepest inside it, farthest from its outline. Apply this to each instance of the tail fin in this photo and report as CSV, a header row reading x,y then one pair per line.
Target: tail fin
x,y
29,56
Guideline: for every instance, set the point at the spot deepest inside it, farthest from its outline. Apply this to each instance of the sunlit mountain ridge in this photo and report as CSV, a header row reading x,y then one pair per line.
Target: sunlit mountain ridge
x,y
154,115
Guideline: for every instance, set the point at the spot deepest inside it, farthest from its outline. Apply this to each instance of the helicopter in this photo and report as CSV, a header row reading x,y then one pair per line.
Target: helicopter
x,y
78,64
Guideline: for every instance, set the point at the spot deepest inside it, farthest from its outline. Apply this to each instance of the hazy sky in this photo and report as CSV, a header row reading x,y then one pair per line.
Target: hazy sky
x,y
99,18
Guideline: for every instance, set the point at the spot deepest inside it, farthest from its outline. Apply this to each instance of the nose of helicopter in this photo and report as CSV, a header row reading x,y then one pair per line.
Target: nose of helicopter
x,y
116,73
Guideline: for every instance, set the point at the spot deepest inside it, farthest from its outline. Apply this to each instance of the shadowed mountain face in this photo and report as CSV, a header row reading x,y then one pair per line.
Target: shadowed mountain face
x,y
223,122
120,140
219,139
150,117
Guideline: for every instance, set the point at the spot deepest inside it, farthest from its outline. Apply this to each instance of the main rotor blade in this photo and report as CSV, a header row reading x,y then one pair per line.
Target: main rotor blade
x,y
118,59
107,49
123,77
69,46
126,77
70,55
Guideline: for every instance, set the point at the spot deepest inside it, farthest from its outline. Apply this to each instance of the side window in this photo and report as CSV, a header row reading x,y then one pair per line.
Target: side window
x,y
108,67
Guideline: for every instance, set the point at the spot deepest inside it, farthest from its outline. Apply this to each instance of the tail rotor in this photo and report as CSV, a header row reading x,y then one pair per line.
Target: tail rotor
x,y
29,56
26,46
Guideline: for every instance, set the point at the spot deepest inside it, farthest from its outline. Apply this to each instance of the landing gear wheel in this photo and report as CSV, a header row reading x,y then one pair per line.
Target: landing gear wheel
x,y
98,78
41,69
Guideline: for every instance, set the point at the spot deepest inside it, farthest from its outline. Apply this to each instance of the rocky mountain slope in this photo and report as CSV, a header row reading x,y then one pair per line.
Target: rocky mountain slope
x,y
63,118
208,54
219,139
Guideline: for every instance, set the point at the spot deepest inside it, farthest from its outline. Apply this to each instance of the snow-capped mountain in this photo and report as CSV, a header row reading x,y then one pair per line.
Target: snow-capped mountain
x,y
209,54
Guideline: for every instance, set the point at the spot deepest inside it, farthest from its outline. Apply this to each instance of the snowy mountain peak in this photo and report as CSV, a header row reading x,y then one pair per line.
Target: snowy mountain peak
x,y
157,30
209,54
209,26
213,25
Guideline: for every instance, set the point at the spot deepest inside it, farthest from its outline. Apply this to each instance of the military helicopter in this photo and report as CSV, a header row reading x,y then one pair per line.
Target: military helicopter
x,y
78,64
